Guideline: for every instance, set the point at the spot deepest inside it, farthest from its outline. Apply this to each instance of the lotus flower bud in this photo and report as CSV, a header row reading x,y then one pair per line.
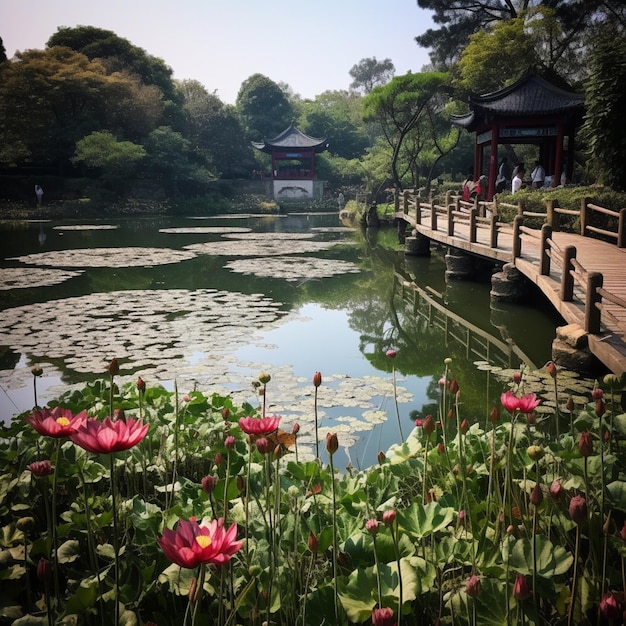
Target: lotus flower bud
x,y
428,425
556,489
36,370
494,415
114,368
464,426
317,379
264,445
600,408
536,495
472,586
40,469
208,484
578,509
44,570
332,444
383,617
225,413
454,386
389,517
551,367
371,525
141,385
314,543
381,457
521,591
585,444
391,354
570,406
264,378
611,608
517,378
230,442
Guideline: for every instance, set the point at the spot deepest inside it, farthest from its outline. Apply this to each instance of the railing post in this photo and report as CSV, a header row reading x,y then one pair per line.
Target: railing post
x,y
592,302
567,278
518,221
621,229
450,214
493,231
583,215
472,224
544,259
418,211
433,217
405,201
396,200
552,216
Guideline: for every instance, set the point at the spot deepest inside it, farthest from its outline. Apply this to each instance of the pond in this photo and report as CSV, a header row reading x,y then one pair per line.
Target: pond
x,y
209,303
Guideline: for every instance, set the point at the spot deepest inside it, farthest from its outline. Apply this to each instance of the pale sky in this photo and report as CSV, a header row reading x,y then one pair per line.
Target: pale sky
x,y
309,44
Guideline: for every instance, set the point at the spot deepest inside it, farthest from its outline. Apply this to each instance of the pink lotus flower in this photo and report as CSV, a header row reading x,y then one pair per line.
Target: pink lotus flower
x,y
259,426
521,591
524,404
472,586
383,617
109,436
57,422
41,469
192,543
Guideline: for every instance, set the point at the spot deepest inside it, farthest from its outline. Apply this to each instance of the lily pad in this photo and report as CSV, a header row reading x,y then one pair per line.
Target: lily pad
x,y
292,269
31,278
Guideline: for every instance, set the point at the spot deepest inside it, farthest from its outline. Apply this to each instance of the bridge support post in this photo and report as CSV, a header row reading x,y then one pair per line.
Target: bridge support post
x,y
417,245
509,285
459,265
570,350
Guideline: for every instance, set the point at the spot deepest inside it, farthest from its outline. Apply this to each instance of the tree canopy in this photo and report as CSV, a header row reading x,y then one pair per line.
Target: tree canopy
x,y
369,73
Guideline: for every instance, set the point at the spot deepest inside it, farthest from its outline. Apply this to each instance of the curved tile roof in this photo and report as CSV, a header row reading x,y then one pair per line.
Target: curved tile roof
x,y
532,95
289,139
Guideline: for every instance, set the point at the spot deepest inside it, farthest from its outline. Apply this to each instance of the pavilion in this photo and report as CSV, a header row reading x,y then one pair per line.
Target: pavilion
x,y
293,164
533,110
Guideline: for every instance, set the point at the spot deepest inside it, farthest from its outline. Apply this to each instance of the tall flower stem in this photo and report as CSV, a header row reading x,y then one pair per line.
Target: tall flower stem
x,y
53,524
394,536
335,542
378,583
570,615
115,538
395,399
317,439
200,589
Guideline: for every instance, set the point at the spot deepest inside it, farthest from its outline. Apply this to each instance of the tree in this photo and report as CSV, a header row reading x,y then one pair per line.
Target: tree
x,y
369,73
263,107
337,116
215,133
49,99
3,52
604,132
115,160
499,54
401,107
461,18
117,54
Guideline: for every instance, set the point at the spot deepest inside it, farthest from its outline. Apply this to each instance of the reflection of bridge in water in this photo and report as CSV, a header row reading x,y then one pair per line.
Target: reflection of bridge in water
x,y
479,344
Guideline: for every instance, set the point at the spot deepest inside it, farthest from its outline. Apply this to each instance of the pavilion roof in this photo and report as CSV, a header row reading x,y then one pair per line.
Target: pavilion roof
x,y
291,138
530,96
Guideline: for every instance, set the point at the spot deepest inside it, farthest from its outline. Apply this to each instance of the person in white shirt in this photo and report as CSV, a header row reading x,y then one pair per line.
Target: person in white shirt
x,y
518,180
537,176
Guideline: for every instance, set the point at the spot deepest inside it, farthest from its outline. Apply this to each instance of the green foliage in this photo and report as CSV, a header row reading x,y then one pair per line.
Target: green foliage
x,y
264,108
604,131
422,558
102,150
369,73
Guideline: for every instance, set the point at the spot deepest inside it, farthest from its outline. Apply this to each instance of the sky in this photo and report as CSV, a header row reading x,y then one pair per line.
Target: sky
x,y
310,45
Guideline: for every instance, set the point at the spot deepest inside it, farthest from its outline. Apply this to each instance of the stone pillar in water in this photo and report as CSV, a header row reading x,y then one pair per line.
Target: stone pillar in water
x,y
570,350
459,265
417,245
509,285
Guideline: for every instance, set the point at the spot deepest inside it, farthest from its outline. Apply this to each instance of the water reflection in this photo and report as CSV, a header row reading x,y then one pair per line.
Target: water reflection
x,y
215,329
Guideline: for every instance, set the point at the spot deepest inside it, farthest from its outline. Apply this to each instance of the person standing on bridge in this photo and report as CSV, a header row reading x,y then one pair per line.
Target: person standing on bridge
x,y
538,176
518,180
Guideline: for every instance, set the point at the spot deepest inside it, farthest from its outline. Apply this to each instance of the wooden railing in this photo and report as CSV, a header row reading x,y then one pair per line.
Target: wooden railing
x,y
570,273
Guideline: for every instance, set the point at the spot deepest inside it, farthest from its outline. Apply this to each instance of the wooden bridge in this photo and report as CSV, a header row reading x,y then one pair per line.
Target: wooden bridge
x,y
582,275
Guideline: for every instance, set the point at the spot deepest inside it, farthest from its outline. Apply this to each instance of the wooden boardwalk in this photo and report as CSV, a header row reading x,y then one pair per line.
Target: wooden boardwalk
x,y
583,277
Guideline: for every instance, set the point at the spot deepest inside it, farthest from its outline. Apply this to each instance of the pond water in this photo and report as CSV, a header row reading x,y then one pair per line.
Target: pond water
x,y
210,303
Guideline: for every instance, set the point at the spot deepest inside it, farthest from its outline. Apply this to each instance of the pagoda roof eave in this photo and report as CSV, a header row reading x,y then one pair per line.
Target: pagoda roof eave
x,y
291,139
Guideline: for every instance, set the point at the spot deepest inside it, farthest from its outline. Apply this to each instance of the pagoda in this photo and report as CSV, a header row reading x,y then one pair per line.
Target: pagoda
x,y
293,164
533,110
